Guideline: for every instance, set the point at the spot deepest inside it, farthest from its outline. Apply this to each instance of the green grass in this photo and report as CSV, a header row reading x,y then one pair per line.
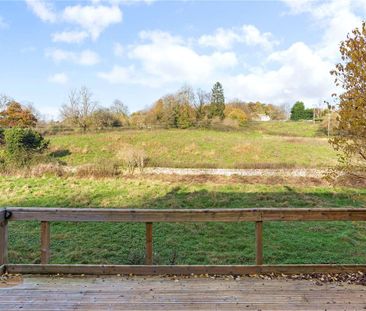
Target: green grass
x,y
210,243
262,145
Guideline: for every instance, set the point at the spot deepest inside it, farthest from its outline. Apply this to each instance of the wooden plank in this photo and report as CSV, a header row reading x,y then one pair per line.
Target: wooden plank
x,y
149,244
259,243
154,293
45,242
188,215
180,269
3,238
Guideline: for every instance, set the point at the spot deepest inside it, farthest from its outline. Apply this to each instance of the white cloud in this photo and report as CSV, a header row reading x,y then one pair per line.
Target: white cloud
x,y
94,19
70,36
301,74
120,75
42,9
118,49
59,78
165,58
287,75
85,57
335,18
91,19
88,58
247,34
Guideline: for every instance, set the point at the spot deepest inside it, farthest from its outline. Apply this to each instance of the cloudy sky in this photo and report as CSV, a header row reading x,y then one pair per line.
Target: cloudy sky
x,y
272,51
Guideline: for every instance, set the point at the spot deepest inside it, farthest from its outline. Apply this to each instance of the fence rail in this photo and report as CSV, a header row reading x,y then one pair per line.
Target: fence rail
x,y
150,216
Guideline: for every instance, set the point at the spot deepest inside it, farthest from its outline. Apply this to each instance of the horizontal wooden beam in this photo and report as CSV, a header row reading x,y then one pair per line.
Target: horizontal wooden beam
x,y
187,215
2,269
180,270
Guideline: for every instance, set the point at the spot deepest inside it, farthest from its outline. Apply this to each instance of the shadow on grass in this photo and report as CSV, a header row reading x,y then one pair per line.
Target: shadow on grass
x,y
60,153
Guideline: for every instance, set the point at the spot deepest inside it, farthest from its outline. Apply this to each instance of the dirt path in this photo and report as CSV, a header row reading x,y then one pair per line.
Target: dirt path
x,y
299,172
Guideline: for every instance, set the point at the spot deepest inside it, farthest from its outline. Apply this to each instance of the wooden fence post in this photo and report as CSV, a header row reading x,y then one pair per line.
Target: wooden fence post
x,y
149,244
3,238
259,242
45,242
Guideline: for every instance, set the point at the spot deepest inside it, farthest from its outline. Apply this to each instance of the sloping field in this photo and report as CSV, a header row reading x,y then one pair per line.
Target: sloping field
x,y
259,145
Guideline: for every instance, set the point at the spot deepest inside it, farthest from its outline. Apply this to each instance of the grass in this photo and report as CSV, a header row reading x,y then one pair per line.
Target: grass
x,y
260,145
211,243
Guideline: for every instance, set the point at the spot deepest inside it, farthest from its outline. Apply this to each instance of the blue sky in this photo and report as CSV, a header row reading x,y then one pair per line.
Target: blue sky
x,y
272,51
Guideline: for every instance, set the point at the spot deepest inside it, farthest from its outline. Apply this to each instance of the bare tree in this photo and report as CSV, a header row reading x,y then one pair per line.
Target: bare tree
x,y
4,101
79,108
202,99
119,108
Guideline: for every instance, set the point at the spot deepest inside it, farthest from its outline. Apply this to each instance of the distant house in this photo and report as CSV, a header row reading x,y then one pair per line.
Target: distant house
x,y
263,117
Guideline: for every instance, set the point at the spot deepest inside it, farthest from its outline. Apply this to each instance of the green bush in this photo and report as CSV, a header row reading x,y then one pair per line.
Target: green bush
x,y
298,112
23,144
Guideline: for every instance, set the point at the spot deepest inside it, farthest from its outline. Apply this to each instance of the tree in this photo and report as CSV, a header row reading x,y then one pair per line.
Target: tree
x,y
298,112
104,118
4,101
119,108
17,115
202,99
217,106
22,144
236,114
350,75
79,109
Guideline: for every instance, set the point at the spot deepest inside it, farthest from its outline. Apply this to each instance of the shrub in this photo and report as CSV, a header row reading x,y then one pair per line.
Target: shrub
x,y
238,115
133,158
329,124
23,144
102,169
47,169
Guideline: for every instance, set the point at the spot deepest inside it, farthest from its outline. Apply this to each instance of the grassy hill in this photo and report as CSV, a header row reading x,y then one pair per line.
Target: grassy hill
x,y
258,145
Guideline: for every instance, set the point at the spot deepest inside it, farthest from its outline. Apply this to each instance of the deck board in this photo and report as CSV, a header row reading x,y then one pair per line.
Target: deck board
x,y
162,293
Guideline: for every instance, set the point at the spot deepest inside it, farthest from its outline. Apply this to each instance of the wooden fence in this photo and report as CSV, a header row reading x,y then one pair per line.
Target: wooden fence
x,y
150,216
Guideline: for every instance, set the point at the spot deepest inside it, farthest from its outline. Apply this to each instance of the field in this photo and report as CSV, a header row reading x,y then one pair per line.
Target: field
x,y
265,145
259,145
212,243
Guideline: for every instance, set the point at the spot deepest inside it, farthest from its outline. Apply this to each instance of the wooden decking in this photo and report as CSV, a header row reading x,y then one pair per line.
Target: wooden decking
x,y
162,293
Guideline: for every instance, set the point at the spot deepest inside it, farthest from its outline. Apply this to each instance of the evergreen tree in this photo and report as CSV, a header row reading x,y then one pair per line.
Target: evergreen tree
x,y
298,111
217,105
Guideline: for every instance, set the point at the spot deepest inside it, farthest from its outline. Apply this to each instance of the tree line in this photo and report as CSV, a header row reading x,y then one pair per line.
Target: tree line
x,y
184,108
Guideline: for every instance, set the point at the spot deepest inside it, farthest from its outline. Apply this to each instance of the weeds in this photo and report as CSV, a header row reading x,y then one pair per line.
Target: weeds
x,y
133,158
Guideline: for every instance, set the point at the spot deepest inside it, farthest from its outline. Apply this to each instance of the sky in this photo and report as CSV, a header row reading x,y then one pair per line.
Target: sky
x,y
136,51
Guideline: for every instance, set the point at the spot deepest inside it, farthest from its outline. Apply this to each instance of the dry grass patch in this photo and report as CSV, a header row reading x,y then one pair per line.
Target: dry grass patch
x,y
246,148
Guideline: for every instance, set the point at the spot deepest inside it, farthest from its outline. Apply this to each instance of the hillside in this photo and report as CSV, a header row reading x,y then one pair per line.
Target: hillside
x,y
258,145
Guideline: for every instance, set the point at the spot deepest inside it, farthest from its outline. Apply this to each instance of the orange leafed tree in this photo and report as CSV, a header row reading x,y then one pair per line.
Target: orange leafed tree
x,y
350,75
16,115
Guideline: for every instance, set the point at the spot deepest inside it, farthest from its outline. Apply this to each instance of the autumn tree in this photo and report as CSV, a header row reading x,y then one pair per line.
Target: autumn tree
x,y
217,105
4,101
79,108
16,115
350,75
